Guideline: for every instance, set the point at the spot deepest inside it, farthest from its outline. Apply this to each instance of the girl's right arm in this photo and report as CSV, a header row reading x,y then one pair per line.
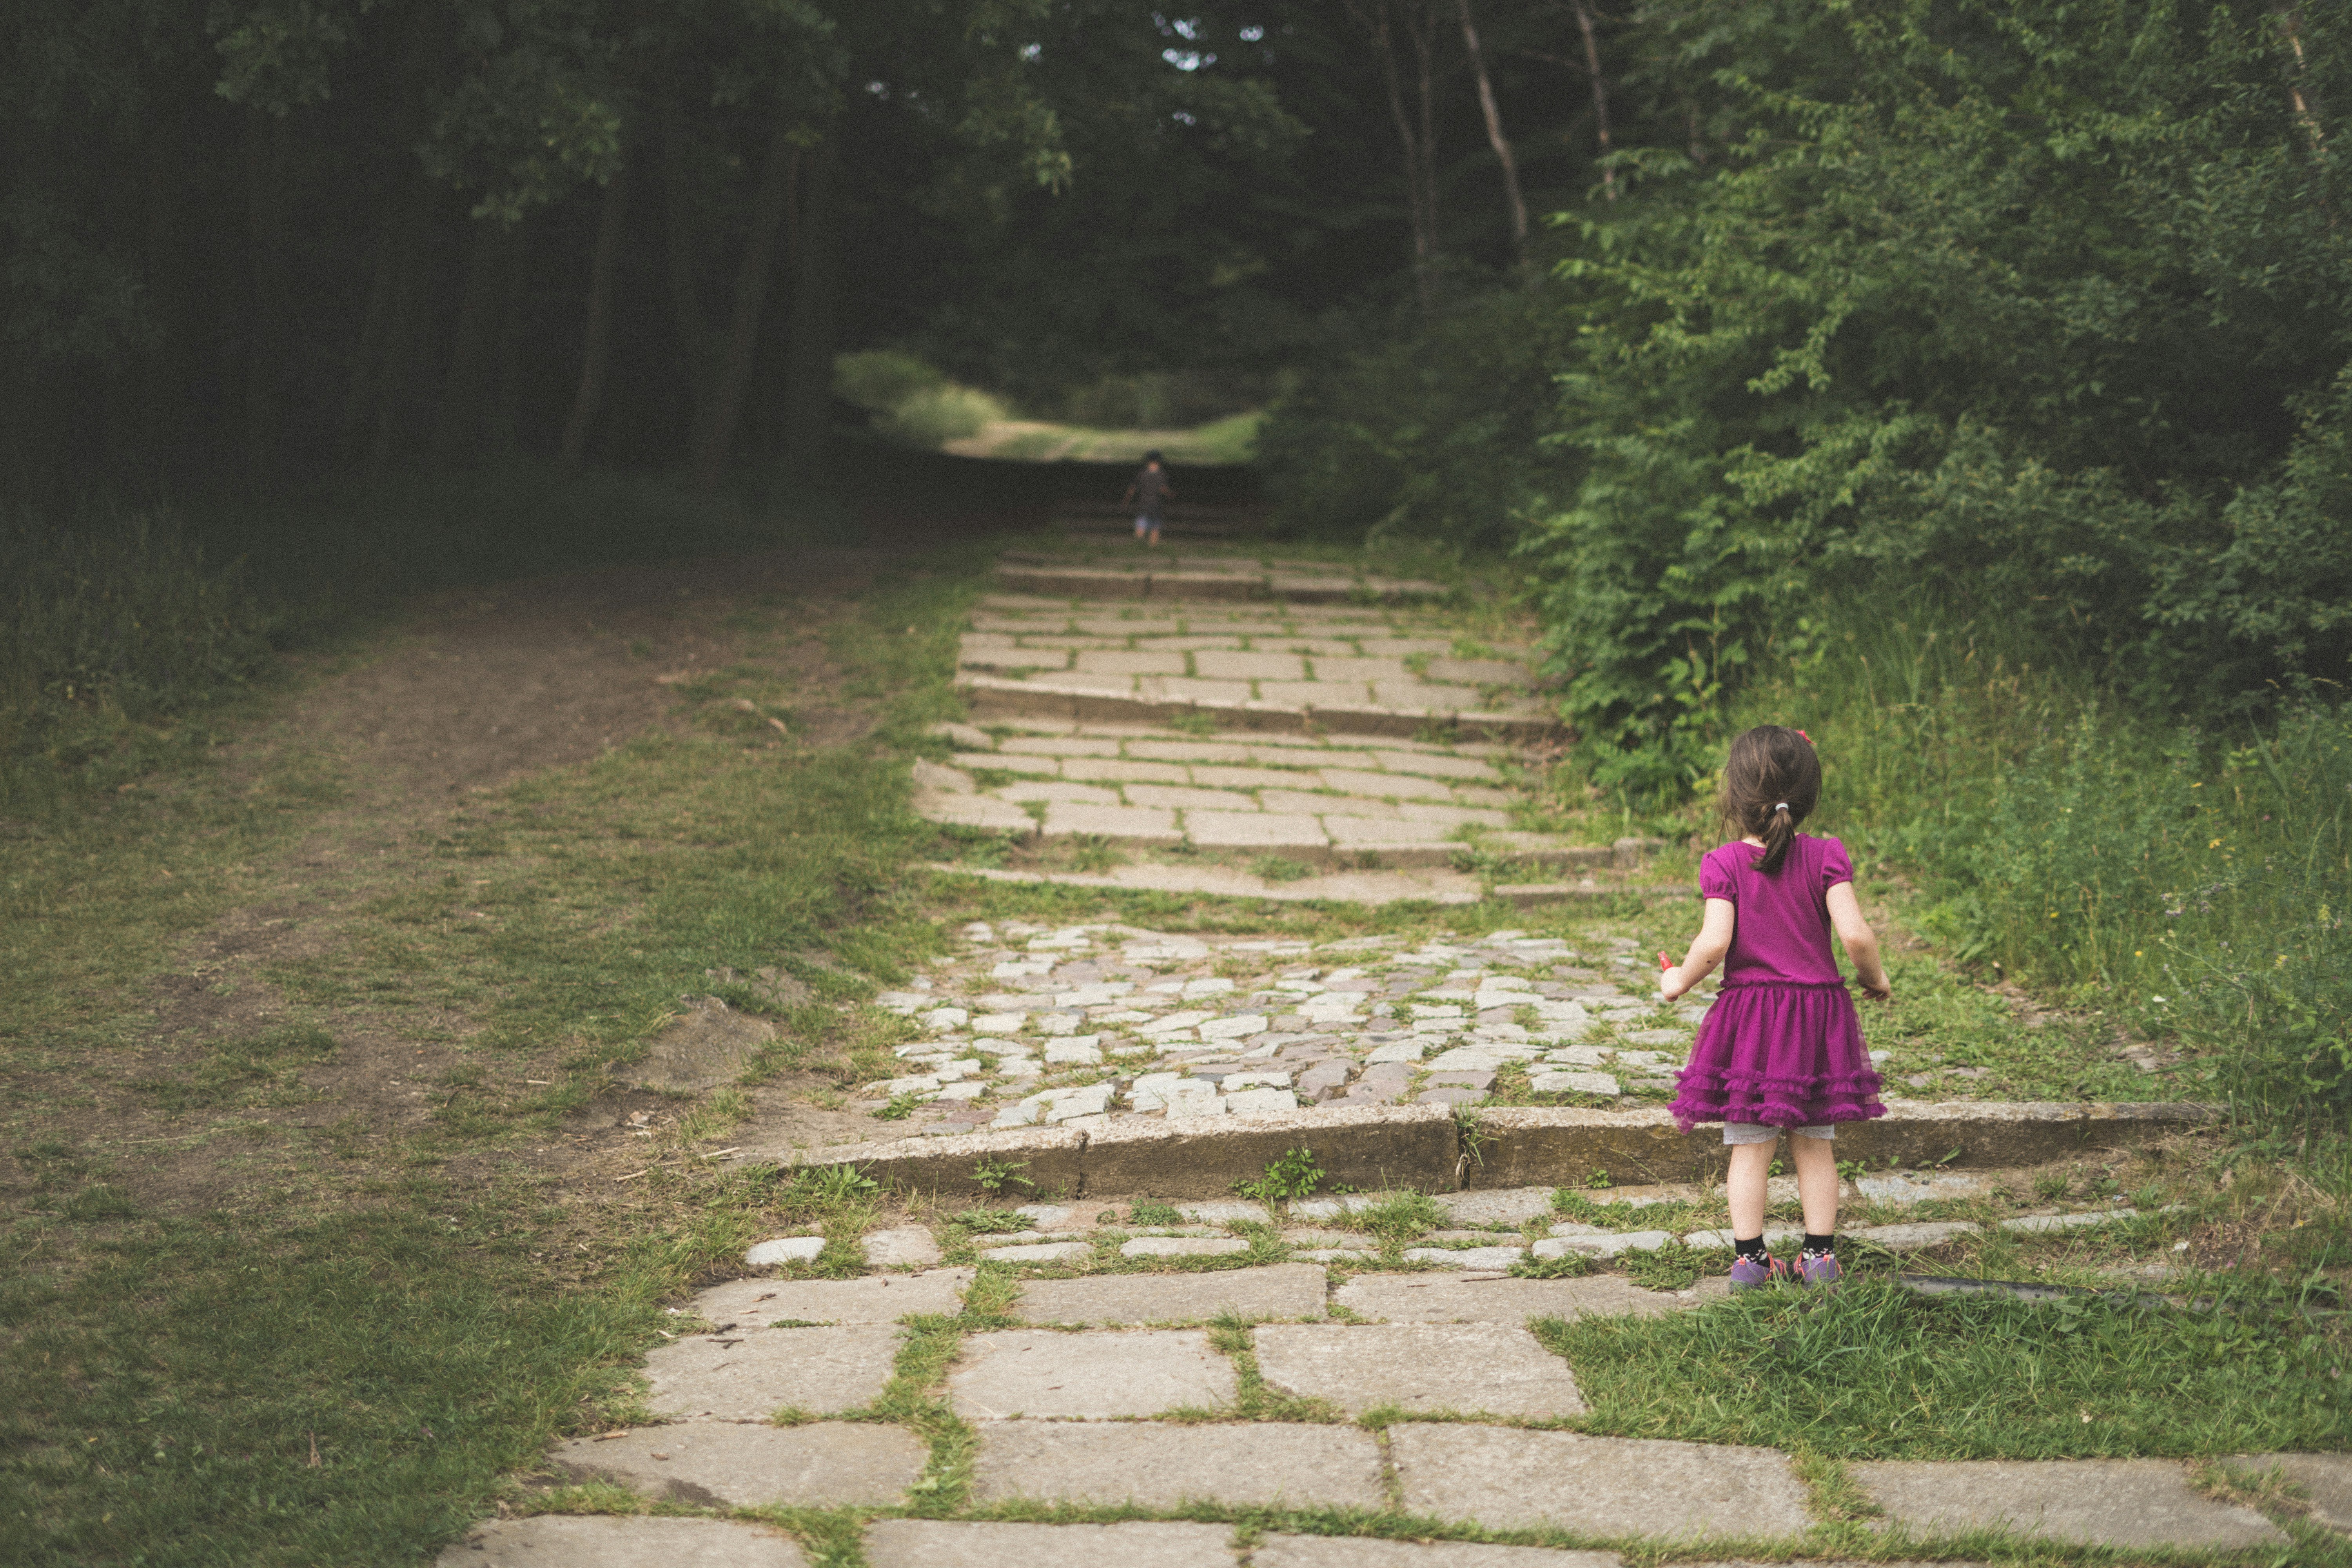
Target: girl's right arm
x,y
1861,942
1706,949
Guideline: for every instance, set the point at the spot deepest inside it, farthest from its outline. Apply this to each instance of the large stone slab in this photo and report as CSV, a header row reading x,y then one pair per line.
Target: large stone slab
x,y
1371,1147
1096,1376
2326,1481
1507,1478
1360,1551
1260,1464
2095,1502
948,1166
1442,1299
827,1464
938,1543
882,1299
1276,1290
1496,1369
1501,1206
610,1541
748,1375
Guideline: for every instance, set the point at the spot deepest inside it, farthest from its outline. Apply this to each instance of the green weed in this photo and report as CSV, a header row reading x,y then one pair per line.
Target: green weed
x,y
1293,1174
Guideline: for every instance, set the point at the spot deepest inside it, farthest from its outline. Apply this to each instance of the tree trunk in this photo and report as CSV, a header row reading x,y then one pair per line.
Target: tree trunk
x,y
1502,144
411,316
685,300
1420,185
506,426
1600,94
454,422
816,264
611,225
169,369
732,372
267,154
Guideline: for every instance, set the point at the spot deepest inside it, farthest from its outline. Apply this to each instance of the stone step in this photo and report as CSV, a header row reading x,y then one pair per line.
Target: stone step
x,y
1306,800
1274,668
1159,579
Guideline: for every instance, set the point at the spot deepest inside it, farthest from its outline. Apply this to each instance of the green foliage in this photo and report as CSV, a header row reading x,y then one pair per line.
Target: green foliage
x,y
1673,1267
1430,435
1293,1174
995,1176
1398,1217
1979,299
901,1107
1281,869
913,404
123,619
1567,1265
991,1222
827,1186
1153,1214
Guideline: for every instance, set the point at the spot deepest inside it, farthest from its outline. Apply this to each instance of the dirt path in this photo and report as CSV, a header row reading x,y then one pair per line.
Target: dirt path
x,y
467,693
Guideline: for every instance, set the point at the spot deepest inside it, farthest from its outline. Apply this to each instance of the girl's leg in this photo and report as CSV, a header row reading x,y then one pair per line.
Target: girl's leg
x,y
1750,1163
1817,1184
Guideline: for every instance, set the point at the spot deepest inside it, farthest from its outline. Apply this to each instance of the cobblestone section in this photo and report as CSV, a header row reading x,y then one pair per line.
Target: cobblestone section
x,y
1152,1419
1085,1025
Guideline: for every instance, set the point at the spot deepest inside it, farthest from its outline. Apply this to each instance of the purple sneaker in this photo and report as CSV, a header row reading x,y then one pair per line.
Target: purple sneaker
x,y
1755,1273
1819,1270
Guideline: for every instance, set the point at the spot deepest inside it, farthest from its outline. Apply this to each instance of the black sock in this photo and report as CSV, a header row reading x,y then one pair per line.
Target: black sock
x,y
1752,1248
1820,1245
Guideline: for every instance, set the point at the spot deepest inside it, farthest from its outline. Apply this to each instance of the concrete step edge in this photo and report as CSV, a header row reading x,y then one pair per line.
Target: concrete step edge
x,y
1428,1148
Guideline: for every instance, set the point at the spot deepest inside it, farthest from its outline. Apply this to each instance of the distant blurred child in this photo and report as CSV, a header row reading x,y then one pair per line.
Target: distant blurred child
x,y
1149,494
1782,1045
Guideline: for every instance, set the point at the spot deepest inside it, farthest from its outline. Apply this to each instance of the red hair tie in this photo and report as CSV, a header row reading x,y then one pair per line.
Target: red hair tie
x,y
1802,736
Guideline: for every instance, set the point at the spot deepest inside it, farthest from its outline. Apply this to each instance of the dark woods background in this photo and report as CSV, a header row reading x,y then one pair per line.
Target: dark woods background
x,y
250,240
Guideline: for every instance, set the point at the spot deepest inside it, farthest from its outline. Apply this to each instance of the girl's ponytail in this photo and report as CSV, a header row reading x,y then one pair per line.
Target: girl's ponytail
x,y
1770,783
1779,832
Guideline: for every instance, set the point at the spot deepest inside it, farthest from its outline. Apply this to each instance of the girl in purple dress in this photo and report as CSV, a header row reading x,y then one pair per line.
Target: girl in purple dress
x,y
1781,1047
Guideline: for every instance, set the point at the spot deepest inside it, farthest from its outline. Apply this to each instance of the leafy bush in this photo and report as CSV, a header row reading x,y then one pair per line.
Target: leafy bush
x,y
1431,436
2031,300
878,380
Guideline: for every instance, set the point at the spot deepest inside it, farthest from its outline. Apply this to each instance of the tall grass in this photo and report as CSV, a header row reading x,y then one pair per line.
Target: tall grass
x,y
2192,881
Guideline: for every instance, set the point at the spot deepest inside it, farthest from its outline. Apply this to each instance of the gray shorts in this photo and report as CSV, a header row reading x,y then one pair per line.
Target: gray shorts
x,y
1737,1132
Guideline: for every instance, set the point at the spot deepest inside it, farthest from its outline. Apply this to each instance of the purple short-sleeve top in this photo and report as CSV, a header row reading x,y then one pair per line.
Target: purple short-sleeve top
x,y
1782,933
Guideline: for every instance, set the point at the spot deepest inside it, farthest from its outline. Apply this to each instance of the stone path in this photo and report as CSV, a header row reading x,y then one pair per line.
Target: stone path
x,y
1033,1025
1211,717
1175,1415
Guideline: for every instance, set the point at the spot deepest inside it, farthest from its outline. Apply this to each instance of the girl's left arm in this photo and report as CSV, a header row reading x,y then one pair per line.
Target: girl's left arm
x,y
1706,949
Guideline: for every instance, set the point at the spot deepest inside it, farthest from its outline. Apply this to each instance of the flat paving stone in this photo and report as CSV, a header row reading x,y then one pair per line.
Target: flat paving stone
x,y
1041,1252
748,1375
1154,1466
1182,1246
1360,1551
882,1299
1507,1478
608,1540
1465,1256
2326,1481
1500,1206
938,1543
827,1464
908,1247
1495,1368
1445,1299
1099,1376
2094,1502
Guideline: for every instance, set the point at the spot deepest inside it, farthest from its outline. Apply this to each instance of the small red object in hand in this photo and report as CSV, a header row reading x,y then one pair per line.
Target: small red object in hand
x,y
1664,963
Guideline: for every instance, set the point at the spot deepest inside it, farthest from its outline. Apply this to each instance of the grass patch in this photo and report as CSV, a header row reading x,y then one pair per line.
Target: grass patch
x,y
1875,1371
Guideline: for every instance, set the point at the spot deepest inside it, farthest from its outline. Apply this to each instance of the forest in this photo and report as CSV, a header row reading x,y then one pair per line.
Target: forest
x,y
1975,370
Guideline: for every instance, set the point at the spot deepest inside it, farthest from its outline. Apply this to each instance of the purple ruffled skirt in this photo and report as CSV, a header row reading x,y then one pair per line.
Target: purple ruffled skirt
x,y
1782,1055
